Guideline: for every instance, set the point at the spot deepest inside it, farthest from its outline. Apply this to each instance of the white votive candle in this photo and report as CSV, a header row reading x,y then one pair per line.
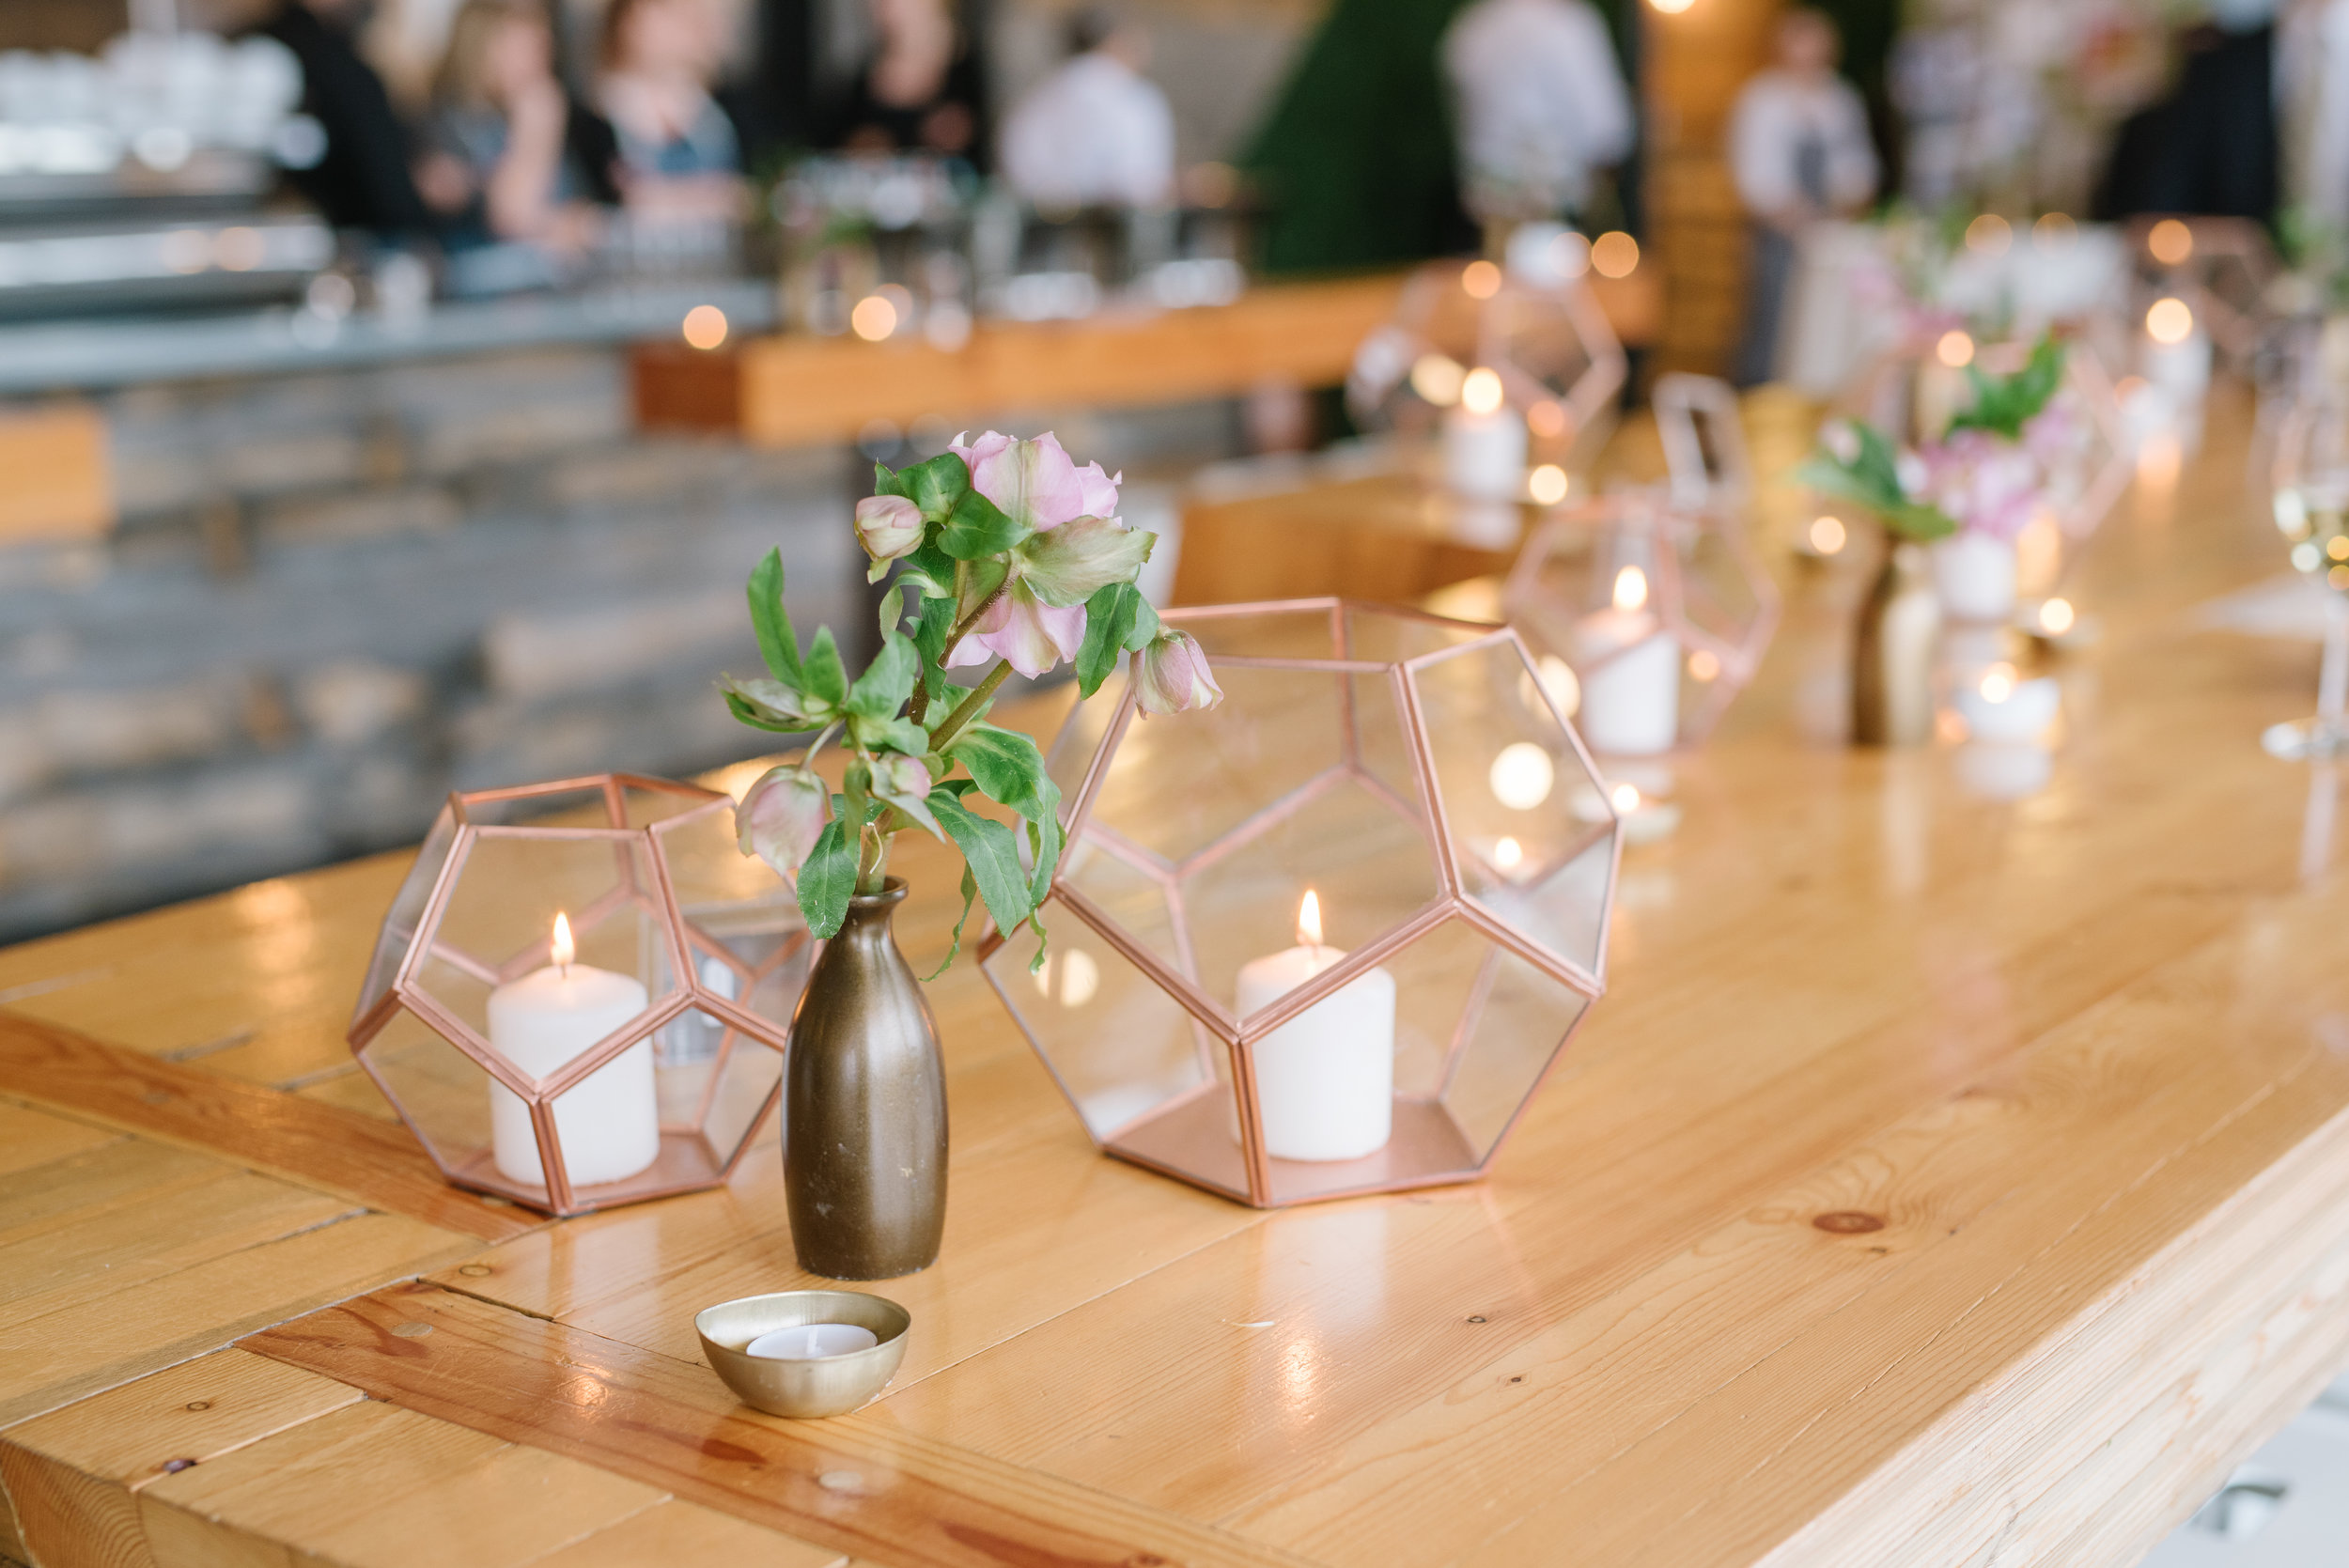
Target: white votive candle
x,y
609,1123
1484,441
1325,1079
1999,707
810,1342
1631,672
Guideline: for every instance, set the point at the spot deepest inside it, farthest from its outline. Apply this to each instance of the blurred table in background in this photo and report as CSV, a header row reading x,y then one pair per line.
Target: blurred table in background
x,y
792,389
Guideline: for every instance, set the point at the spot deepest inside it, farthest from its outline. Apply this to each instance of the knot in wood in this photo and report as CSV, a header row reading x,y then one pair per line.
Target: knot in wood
x,y
1848,1222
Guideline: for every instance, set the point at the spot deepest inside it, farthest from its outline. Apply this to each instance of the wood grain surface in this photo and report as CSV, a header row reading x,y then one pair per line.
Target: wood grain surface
x,y
1945,1179
790,389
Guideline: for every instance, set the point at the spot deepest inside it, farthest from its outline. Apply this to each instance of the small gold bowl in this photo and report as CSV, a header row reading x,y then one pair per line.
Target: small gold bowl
x,y
824,1386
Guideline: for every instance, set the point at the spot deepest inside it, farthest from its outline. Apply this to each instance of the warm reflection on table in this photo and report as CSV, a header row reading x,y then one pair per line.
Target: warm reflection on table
x,y
1944,1179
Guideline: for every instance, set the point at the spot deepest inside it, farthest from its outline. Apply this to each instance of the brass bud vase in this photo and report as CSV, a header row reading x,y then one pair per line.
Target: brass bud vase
x,y
1892,673
864,1107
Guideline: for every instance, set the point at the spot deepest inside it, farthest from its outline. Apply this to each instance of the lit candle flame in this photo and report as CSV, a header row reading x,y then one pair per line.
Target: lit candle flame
x,y
1508,854
1631,588
565,950
1998,683
2171,321
1309,920
1482,392
2056,615
1627,798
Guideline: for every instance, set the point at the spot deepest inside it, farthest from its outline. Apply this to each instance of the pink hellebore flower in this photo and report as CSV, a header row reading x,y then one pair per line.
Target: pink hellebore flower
x,y
1024,630
1170,676
1035,482
1987,485
888,526
780,816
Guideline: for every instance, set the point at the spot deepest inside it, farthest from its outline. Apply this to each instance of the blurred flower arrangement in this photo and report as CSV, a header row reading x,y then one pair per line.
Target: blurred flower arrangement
x,y
1984,474
1007,556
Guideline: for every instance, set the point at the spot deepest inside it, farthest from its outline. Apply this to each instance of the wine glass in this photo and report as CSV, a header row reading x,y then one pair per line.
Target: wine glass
x,y
2311,511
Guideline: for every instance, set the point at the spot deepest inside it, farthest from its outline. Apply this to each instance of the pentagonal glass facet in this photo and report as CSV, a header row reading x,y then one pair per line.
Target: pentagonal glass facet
x,y
407,911
1324,936
600,974
1648,618
748,946
1531,834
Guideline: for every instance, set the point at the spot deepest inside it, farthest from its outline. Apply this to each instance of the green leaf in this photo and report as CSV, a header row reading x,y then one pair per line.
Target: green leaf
x,y
978,528
1044,840
890,482
777,643
980,580
936,486
895,734
1009,767
822,674
2004,405
771,705
827,881
970,895
887,682
992,855
931,628
1109,617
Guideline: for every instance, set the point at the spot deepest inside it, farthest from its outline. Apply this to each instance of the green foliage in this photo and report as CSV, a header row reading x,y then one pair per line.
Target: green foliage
x,y
2004,405
978,528
777,645
826,879
1118,620
1873,479
992,854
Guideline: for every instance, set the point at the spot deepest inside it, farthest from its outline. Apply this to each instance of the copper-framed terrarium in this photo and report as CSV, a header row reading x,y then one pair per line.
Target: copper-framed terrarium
x,y
579,996
1649,617
1326,936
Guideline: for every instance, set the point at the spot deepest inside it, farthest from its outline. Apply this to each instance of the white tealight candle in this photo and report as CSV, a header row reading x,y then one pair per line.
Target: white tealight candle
x,y
1999,707
1325,1079
809,1341
1484,441
609,1123
1630,671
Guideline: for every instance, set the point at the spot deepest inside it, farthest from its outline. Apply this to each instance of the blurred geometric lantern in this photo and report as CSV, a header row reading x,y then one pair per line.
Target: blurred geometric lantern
x,y
1535,324
1658,610
1327,938
579,996
1701,427
1914,391
2223,267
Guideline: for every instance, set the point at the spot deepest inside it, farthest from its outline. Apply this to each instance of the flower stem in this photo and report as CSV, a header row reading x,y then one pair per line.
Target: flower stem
x,y
968,710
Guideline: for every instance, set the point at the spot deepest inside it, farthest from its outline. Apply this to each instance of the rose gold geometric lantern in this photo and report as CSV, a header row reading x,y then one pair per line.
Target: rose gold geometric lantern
x,y
1650,616
1558,360
1326,938
579,996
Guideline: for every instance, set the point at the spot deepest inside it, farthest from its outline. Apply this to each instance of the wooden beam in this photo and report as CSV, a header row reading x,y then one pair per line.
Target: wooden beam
x,y
860,1484
377,1163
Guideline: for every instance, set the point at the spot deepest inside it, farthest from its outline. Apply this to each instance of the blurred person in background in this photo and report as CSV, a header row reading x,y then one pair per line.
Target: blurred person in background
x,y
511,157
923,89
1540,105
2312,81
1097,133
2210,146
363,178
678,156
1799,150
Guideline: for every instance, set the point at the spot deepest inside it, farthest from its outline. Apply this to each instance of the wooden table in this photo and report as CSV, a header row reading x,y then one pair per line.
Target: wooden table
x,y
788,390
1942,1181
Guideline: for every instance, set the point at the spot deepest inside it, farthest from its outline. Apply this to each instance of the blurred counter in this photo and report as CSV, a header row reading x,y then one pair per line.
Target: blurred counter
x,y
102,352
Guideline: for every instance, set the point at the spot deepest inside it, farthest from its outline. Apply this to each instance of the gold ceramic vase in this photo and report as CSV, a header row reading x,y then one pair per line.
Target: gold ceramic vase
x,y
864,1107
1892,673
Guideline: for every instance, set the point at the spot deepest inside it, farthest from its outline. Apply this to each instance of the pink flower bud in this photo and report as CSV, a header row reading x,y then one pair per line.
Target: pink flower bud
x,y
1170,676
781,815
888,526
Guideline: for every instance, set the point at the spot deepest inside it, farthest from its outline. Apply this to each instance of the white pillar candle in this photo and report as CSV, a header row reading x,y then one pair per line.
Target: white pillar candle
x,y
609,1123
1631,701
1484,441
809,1341
1325,1079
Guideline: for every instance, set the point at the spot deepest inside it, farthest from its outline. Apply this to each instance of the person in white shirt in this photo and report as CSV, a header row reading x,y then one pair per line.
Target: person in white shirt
x,y
1798,149
1539,103
1097,133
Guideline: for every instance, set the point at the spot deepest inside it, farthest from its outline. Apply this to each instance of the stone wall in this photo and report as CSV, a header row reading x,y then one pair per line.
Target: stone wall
x,y
332,599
